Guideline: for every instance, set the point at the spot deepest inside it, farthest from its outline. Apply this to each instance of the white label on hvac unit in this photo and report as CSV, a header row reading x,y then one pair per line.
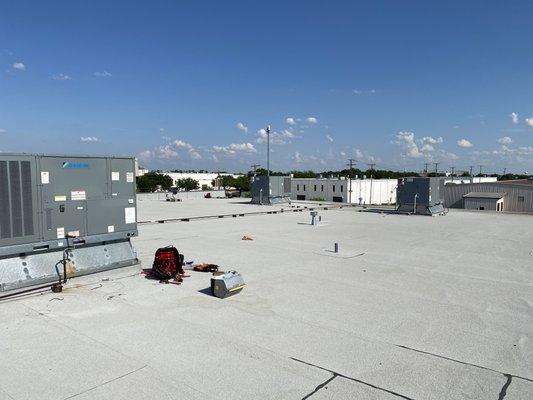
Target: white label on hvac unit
x,y
111,228
114,194
115,176
78,195
129,177
129,215
130,201
60,243
61,233
74,233
60,197
79,208
45,177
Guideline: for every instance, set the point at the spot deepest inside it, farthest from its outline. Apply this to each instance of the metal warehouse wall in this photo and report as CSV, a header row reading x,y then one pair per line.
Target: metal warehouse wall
x,y
473,203
453,195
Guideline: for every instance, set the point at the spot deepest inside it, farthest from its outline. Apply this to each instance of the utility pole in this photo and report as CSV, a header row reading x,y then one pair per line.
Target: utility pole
x,y
436,168
471,176
453,170
481,166
350,164
505,171
371,165
426,167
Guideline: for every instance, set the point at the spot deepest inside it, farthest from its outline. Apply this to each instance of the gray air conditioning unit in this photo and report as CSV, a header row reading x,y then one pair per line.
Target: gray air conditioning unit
x,y
420,195
51,203
271,190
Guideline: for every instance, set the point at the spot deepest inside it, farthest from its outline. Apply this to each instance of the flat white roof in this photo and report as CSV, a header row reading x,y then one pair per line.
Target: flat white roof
x,y
434,308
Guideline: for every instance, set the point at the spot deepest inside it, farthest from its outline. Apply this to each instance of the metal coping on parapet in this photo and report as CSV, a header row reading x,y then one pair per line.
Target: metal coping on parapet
x,y
235,215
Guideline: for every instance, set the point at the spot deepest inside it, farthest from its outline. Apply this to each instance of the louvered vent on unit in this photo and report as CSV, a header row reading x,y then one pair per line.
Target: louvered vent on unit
x,y
16,206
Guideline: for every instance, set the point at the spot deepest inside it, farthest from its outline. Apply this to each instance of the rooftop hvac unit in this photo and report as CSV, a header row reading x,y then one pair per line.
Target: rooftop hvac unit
x,y
423,195
49,204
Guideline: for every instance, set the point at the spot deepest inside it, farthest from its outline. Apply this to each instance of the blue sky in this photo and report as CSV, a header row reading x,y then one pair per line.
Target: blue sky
x,y
189,86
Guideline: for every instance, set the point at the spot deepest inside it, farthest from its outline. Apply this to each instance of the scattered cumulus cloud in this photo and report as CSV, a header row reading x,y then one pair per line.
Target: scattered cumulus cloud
x,y
311,120
61,77
103,74
235,148
242,127
278,138
464,143
89,139
505,140
179,144
3,130
329,138
529,121
514,117
290,121
406,140
297,158
359,91
431,140
19,66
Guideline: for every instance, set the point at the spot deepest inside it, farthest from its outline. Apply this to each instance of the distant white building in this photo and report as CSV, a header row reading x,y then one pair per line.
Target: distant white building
x,y
204,179
363,191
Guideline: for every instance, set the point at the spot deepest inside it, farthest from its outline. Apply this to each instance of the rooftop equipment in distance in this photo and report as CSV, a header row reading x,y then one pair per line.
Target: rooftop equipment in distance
x,y
271,189
423,195
51,207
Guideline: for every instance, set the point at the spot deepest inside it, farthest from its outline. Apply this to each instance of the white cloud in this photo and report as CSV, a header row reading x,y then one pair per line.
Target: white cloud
x,y
179,144
61,77
297,157
103,74
242,127
406,140
430,140
359,155
358,91
235,148
329,138
427,148
343,154
167,151
194,154
311,120
145,155
290,121
161,129
505,140
20,66
529,121
3,130
514,117
279,138
464,143
89,139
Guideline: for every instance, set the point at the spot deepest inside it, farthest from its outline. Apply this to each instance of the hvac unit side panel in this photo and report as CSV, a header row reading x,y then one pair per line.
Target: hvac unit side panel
x,y
122,178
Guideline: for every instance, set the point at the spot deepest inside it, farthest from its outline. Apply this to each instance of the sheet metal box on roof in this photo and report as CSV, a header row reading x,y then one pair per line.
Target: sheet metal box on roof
x,y
45,198
420,195
273,190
